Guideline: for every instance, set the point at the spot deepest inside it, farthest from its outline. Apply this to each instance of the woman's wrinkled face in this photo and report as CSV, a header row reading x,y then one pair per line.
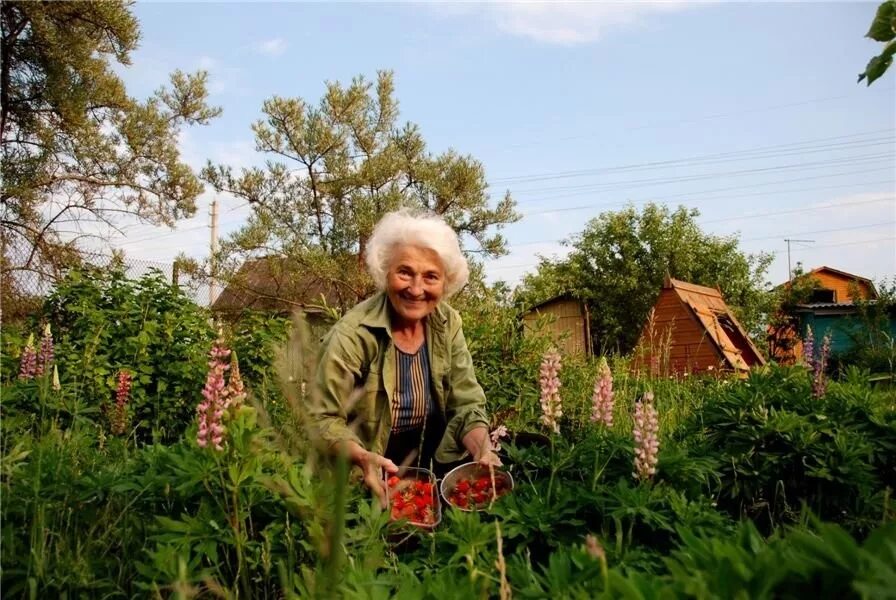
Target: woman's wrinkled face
x,y
415,282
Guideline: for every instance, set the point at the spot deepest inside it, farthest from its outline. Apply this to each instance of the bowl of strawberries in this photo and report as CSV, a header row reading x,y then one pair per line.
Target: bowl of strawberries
x,y
412,497
472,487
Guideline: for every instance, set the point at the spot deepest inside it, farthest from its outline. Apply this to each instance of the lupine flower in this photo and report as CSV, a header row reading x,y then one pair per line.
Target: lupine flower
x,y
28,365
211,410
594,547
550,390
496,435
645,430
236,390
119,417
45,355
602,400
56,385
809,349
819,377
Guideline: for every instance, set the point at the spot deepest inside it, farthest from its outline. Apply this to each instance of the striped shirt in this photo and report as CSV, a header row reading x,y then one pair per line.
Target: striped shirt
x,y
412,401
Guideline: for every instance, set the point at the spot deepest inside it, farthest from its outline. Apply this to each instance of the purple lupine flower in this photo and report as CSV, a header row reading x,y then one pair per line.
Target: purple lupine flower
x,y
236,390
28,364
211,410
45,355
819,377
119,417
645,429
602,400
549,379
809,349
496,435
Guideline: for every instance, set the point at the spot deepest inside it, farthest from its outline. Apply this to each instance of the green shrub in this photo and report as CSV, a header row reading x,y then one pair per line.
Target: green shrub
x,y
104,322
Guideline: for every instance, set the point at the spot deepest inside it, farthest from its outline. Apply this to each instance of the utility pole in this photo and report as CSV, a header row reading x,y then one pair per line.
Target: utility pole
x,y
789,270
214,251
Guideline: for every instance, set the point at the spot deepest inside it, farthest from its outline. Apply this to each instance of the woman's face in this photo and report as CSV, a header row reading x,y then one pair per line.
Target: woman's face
x,y
415,282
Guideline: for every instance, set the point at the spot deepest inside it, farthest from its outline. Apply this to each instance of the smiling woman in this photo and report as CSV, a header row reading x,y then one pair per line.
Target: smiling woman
x,y
395,381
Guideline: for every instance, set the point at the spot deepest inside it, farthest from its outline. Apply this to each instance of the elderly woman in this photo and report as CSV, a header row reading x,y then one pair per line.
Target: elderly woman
x,y
395,382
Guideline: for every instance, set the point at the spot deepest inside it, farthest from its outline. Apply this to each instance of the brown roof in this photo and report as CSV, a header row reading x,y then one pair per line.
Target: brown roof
x,y
275,284
715,317
841,274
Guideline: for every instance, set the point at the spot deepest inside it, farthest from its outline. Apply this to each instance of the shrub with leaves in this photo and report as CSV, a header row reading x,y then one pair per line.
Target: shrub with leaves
x,y
105,322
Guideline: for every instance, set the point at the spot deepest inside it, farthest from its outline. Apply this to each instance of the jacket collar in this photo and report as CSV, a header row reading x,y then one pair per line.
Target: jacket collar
x,y
377,314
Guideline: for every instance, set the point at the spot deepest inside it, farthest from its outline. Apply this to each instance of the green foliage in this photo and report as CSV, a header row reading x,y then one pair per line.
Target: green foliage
x,y
75,145
104,322
357,163
89,515
779,449
618,264
883,29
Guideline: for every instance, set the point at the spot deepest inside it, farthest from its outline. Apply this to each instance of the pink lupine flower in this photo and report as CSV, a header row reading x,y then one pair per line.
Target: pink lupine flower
x,y
28,364
496,435
550,390
602,400
594,548
45,355
119,417
236,390
820,363
211,410
645,430
809,349
56,385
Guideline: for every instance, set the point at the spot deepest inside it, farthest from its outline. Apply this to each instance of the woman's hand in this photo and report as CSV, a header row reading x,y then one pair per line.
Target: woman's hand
x,y
372,465
479,445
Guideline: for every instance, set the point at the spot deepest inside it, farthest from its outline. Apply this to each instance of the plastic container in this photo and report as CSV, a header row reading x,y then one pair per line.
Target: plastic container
x,y
471,471
413,474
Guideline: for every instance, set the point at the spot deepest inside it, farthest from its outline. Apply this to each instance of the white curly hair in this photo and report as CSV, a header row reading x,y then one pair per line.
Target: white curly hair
x,y
425,230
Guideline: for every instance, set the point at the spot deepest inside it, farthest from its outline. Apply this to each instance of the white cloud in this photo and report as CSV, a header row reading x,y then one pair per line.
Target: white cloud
x,y
271,47
567,23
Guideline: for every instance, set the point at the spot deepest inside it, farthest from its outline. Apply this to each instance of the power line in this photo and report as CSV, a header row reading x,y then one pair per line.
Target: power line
x,y
755,239
746,154
689,194
776,252
737,173
699,119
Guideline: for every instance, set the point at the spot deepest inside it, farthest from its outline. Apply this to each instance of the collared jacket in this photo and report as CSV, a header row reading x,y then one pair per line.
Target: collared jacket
x,y
355,380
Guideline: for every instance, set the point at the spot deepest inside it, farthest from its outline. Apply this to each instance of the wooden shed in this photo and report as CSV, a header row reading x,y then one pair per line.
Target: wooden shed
x,y
692,330
568,323
270,284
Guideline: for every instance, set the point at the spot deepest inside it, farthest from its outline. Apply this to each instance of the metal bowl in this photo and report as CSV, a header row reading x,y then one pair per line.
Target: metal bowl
x,y
469,470
418,474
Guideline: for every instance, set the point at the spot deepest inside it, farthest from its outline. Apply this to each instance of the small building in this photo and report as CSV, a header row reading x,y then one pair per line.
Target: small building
x,y
568,322
830,309
691,330
271,285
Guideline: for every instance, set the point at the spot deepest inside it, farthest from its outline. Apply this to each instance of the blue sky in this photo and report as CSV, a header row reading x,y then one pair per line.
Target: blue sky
x,y
753,109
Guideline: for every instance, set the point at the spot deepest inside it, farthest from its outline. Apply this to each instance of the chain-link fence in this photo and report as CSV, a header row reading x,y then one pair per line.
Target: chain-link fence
x,y
25,284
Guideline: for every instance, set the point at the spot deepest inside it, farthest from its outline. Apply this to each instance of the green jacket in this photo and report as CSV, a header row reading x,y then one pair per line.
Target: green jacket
x,y
355,380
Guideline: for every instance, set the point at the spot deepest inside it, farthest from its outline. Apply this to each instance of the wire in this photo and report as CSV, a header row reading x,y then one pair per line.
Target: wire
x,y
747,154
805,209
664,180
776,252
698,119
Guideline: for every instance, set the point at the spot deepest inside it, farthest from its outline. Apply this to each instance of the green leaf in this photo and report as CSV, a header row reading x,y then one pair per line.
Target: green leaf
x,y
883,28
878,65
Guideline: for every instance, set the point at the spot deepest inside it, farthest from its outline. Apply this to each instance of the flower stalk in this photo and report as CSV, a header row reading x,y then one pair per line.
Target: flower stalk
x,y
549,379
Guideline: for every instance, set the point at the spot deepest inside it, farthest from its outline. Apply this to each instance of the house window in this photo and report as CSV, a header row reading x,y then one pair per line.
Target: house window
x,y
823,295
